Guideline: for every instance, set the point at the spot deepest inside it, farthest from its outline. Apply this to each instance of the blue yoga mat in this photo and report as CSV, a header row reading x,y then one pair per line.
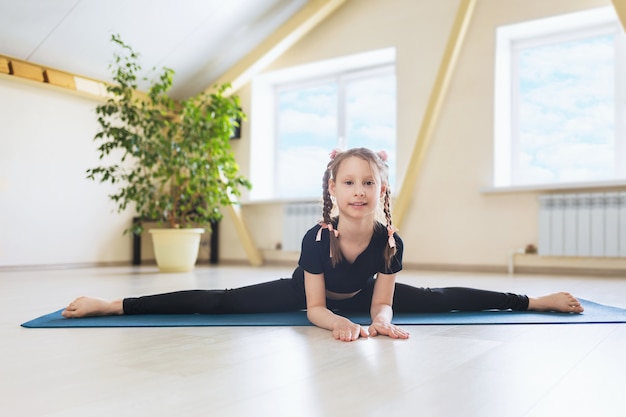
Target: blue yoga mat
x,y
594,313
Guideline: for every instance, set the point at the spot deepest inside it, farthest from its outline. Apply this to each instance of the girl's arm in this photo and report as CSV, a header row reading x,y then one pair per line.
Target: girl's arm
x,y
381,309
318,314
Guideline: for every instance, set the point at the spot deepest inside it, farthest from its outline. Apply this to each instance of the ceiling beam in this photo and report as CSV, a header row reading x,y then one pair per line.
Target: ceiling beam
x,y
620,9
278,42
433,109
23,70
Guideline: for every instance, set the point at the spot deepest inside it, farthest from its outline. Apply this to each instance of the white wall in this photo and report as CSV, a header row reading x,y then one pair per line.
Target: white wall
x,y
49,212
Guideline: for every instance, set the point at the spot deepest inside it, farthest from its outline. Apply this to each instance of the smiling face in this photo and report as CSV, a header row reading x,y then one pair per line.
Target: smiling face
x,y
357,188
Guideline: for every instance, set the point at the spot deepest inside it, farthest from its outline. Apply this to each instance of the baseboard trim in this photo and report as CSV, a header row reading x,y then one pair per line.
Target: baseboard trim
x,y
598,272
489,269
51,267
525,269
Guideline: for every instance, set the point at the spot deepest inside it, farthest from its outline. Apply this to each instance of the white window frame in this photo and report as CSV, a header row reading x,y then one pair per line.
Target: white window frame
x,y
509,40
263,110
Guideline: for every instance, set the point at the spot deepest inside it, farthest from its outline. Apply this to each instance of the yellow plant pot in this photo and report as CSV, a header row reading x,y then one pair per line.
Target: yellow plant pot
x,y
176,250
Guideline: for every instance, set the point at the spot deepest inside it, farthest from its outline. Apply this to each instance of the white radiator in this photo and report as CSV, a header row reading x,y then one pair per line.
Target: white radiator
x,y
590,225
298,218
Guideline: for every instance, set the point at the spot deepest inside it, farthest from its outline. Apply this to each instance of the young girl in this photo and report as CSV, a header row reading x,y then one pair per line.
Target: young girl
x,y
348,263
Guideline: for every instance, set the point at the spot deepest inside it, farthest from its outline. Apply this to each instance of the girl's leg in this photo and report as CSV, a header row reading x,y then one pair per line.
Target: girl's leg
x,y
269,297
274,296
410,299
178,302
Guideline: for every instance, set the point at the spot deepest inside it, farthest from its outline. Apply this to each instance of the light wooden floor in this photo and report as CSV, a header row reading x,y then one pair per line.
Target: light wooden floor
x,y
490,370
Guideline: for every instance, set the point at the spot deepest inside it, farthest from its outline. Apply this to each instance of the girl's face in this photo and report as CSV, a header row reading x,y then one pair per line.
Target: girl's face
x,y
357,188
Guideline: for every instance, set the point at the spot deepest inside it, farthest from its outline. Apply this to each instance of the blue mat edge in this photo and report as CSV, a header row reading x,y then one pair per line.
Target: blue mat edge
x,y
594,313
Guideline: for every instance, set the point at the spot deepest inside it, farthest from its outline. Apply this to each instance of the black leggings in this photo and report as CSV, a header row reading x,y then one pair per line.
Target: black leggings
x,y
288,295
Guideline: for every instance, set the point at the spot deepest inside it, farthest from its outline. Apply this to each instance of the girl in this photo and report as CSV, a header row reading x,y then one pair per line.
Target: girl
x,y
348,263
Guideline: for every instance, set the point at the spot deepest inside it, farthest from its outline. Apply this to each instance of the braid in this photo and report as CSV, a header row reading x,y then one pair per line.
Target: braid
x,y
328,202
389,251
335,253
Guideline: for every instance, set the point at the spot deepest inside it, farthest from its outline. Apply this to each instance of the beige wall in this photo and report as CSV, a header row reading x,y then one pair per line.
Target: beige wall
x,y
450,221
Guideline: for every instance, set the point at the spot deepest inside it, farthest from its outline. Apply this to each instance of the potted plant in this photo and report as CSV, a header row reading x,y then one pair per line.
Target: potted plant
x,y
174,160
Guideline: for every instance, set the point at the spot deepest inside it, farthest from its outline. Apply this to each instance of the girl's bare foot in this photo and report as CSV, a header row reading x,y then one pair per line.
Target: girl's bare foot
x,y
87,306
562,302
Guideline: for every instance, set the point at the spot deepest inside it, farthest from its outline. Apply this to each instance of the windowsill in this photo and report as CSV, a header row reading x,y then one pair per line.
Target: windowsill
x,y
574,186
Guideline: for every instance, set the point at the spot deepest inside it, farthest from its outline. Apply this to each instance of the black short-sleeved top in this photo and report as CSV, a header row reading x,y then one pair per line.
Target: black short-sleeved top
x,y
346,277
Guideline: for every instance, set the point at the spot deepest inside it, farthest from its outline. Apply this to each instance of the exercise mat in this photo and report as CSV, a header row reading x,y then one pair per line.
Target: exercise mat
x,y
594,313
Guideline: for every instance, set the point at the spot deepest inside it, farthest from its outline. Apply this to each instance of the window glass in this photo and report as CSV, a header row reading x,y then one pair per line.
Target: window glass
x,y
566,112
306,132
371,115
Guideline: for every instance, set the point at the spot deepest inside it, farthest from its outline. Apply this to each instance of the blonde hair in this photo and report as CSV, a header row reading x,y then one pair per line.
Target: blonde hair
x,y
380,167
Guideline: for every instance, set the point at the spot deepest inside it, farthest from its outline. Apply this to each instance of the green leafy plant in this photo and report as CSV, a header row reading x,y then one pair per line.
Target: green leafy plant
x,y
175,161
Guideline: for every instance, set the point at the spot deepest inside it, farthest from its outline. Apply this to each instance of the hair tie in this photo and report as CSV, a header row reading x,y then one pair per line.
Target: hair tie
x,y
382,155
333,154
330,228
391,240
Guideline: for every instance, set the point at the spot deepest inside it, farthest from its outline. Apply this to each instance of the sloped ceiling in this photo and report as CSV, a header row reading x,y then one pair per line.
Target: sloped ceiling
x,y
198,39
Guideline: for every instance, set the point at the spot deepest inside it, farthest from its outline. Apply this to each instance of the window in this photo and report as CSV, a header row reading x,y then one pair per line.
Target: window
x,y
301,114
560,100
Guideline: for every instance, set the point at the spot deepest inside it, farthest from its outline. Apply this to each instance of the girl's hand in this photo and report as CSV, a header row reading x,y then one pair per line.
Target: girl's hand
x,y
387,329
346,331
